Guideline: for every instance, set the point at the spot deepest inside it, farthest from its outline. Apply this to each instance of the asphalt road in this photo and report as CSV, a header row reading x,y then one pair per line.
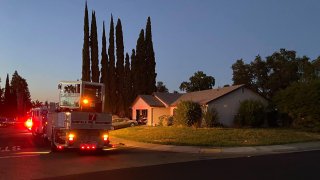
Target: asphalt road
x,y
302,166
22,158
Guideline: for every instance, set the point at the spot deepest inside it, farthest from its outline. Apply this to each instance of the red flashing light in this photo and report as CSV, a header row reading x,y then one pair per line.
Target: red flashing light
x,y
29,124
60,147
82,147
93,147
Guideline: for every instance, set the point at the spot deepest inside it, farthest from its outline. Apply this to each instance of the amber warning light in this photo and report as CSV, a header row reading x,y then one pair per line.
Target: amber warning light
x,y
29,124
85,101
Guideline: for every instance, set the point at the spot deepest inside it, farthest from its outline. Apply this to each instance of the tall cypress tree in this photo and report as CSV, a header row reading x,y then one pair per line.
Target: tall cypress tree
x,y
127,86
85,49
1,100
141,66
94,50
105,70
150,60
7,97
112,67
20,95
134,76
119,69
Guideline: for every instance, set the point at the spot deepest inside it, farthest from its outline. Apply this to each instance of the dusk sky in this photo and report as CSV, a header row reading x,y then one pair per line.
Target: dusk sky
x,y
43,40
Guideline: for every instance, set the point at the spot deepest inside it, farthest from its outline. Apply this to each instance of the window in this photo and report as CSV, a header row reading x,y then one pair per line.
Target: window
x,y
70,95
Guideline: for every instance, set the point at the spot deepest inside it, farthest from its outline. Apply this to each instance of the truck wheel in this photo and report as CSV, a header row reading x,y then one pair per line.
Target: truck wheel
x,y
53,146
132,124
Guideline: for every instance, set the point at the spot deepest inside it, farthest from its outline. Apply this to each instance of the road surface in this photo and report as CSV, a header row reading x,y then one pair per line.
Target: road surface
x,y
22,158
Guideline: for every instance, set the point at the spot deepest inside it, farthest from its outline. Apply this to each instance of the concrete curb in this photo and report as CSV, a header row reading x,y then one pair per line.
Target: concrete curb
x,y
271,149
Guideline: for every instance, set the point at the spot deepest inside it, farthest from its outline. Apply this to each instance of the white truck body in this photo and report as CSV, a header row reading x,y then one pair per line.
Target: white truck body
x,y
87,128
75,124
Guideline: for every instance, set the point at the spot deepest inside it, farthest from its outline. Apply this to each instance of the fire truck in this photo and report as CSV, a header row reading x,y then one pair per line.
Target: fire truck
x,y
78,120
37,120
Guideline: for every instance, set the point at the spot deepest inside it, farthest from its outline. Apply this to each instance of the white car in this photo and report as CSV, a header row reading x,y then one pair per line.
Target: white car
x,y
123,122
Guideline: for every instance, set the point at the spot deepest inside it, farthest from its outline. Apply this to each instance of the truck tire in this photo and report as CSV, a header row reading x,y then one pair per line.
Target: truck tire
x,y
53,146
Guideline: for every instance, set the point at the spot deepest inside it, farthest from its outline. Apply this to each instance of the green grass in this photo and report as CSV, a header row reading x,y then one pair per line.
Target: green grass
x,y
219,137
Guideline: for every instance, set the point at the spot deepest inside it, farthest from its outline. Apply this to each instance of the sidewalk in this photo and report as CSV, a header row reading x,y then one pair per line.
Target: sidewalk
x,y
271,149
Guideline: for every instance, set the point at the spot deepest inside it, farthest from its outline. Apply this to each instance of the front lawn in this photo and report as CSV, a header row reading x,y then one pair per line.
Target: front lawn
x,y
214,137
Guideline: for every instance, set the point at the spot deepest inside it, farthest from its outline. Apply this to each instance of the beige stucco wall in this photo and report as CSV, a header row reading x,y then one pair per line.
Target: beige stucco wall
x,y
153,112
172,109
157,112
140,104
227,106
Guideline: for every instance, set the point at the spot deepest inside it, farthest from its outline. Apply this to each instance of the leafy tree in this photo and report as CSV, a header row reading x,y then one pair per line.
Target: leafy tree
x,y
94,50
305,69
112,72
105,71
188,113
241,73
316,66
301,101
150,60
161,87
119,69
36,104
259,76
251,113
85,49
20,95
277,72
199,81
283,68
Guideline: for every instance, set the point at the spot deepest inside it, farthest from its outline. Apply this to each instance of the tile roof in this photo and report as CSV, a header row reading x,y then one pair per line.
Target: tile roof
x,y
167,98
204,97
151,101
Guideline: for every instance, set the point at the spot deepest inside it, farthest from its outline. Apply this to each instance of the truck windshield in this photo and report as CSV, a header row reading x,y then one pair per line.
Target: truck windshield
x,y
70,95
93,94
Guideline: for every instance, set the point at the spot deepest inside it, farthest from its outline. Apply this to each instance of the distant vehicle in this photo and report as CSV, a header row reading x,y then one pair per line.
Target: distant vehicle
x,y
38,118
11,122
3,122
123,123
142,121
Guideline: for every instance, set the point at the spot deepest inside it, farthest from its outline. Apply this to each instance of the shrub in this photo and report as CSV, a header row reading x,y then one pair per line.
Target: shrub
x,y
211,118
301,102
165,120
188,113
251,113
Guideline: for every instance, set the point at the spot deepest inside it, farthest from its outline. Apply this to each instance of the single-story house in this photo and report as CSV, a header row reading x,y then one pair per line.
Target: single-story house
x,y
153,106
225,100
